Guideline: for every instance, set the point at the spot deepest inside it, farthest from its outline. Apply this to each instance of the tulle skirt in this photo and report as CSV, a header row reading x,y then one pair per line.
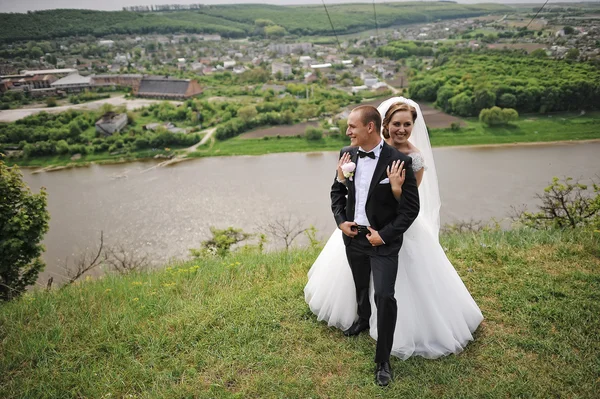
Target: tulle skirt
x,y
436,314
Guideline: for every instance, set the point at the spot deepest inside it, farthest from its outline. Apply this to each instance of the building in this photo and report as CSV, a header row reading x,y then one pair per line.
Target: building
x,y
110,123
285,69
305,60
37,84
321,67
114,81
287,48
168,88
107,43
73,83
56,72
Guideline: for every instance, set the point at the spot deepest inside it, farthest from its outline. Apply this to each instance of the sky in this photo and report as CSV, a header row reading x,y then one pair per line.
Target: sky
x,y
31,5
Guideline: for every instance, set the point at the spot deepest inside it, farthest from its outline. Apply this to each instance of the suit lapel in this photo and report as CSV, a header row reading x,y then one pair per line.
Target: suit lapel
x,y
382,163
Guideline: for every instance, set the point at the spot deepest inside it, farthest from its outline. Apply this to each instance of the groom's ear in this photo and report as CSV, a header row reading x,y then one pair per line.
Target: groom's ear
x,y
371,126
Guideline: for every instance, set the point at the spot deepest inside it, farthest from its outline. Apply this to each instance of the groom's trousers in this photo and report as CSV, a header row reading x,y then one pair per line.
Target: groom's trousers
x,y
364,259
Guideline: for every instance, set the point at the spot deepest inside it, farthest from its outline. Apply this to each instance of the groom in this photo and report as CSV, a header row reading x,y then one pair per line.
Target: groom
x,y
373,222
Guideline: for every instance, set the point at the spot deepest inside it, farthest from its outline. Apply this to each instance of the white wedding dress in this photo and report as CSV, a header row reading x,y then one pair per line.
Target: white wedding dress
x,y
436,313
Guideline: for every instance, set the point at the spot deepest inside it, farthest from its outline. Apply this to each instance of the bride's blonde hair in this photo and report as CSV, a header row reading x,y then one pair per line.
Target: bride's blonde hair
x,y
397,107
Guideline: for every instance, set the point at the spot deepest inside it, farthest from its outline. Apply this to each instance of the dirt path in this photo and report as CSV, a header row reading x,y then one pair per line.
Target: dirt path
x,y
182,156
11,115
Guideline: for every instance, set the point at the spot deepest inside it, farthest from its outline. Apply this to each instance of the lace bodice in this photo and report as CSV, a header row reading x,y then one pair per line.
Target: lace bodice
x,y
418,162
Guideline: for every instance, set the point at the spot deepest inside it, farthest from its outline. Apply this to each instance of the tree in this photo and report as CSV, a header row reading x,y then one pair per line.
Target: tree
x,y
23,223
483,98
507,100
462,104
539,53
247,113
568,30
275,31
285,229
572,54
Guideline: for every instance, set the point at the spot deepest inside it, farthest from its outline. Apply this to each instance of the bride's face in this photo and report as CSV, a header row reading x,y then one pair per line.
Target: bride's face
x,y
400,128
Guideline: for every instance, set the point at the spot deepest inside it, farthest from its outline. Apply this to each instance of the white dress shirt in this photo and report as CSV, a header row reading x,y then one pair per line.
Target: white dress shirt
x,y
365,167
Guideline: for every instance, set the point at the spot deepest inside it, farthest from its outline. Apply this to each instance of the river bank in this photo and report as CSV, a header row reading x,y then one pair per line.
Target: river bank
x,y
239,327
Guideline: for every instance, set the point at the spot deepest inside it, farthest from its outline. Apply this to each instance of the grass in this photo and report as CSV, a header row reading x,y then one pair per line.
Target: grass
x,y
240,146
238,327
528,129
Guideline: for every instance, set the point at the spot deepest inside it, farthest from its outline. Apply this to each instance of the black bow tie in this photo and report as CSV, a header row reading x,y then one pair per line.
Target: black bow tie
x,y
369,154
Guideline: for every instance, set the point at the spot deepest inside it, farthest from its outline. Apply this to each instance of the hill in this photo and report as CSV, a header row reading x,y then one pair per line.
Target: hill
x,y
230,20
238,327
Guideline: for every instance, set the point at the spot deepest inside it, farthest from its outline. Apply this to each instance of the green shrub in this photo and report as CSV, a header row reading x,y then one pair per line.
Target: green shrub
x,y
313,133
497,116
23,223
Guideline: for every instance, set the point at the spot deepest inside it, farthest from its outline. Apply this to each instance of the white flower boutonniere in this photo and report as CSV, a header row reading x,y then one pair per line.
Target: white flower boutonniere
x,y
348,170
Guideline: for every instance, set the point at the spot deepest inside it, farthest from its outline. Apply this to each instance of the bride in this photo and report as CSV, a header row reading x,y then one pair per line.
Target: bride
x,y
436,314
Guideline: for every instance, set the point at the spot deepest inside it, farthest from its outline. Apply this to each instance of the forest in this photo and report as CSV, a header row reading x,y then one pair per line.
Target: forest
x,y
464,83
231,20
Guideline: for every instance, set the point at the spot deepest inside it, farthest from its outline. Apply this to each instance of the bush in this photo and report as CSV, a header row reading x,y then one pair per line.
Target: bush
x,y
455,126
565,204
51,102
221,242
313,133
497,116
23,223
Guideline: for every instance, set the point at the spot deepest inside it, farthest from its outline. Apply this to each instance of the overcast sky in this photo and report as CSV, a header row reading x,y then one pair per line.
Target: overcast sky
x,y
26,5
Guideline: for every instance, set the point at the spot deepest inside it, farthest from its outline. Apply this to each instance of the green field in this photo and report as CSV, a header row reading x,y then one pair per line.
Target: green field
x,y
528,129
238,327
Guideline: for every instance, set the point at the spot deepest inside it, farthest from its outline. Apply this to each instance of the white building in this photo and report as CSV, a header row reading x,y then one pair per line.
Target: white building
x,y
107,43
370,82
73,82
305,60
287,48
285,69
64,71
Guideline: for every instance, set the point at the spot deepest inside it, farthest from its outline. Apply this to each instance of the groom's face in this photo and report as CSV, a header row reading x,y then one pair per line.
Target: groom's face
x,y
357,131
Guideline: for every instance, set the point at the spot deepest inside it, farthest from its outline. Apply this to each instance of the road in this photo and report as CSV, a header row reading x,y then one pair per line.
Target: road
x,y
11,115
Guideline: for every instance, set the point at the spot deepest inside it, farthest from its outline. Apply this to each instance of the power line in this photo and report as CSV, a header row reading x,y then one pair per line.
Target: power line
x,y
540,10
332,28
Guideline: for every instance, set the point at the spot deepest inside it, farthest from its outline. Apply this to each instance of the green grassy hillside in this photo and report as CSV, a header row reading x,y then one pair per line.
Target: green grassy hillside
x,y
239,328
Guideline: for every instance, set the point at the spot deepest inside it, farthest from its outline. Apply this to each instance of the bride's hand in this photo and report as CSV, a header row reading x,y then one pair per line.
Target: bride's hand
x,y
397,174
343,160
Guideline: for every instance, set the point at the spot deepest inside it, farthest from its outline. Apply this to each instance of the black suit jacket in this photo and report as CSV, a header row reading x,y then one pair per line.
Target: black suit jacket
x,y
390,217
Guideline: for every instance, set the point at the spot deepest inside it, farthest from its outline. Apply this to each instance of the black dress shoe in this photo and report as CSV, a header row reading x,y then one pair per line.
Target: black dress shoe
x,y
383,374
356,328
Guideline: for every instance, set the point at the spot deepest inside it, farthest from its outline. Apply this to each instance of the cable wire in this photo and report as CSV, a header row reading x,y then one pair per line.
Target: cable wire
x,y
332,28
536,14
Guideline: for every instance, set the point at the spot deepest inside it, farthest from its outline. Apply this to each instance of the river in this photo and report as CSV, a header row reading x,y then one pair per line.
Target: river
x,y
163,212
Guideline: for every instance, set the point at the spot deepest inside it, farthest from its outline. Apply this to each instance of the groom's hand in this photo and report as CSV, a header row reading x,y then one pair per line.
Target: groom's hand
x,y
346,228
374,237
